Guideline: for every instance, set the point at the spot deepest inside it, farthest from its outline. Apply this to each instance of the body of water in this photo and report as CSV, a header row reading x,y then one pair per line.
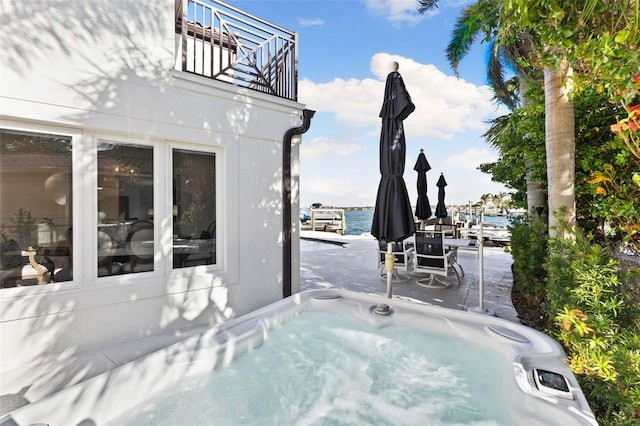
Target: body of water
x,y
359,221
498,221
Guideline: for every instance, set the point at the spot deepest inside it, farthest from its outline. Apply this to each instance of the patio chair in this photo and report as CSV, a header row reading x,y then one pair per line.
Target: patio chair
x,y
140,247
106,250
206,257
448,229
433,258
403,259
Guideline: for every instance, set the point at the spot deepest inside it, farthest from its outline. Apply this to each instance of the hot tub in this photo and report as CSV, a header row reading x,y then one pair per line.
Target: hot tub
x,y
334,356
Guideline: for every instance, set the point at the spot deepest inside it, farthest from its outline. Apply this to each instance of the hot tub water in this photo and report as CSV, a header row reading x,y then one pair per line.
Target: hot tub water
x,y
324,368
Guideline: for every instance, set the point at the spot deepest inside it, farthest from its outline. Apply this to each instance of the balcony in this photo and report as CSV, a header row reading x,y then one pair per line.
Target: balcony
x,y
221,42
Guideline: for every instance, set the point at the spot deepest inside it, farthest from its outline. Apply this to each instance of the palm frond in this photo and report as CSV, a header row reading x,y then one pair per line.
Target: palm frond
x,y
462,37
503,92
498,127
425,5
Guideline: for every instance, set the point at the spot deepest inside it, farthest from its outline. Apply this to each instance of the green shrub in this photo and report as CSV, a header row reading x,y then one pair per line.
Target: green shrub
x,y
529,252
598,326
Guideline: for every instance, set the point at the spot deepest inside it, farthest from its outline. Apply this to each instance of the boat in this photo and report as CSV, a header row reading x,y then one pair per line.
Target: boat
x,y
305,215
324,218
516,212
500,236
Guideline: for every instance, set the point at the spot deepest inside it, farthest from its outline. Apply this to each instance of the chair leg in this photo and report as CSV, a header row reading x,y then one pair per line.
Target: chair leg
x,y
457,275
454,260
426,281
459,266
432,282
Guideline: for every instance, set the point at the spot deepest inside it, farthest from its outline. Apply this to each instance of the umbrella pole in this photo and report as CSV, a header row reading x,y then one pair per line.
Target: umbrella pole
x,y
481,269
389,264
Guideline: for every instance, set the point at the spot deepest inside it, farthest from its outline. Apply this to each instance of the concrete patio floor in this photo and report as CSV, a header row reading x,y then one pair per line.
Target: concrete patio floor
x,y
353,266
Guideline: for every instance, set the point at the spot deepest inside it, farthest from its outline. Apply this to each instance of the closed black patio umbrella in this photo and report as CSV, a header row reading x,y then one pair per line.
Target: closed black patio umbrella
x,y
441,208
423,208
392,217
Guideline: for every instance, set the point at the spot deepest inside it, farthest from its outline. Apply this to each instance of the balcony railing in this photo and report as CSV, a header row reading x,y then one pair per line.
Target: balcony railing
x,y
224,43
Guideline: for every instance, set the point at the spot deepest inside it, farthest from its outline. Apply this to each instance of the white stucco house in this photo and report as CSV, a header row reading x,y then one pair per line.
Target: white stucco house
x,y
148,171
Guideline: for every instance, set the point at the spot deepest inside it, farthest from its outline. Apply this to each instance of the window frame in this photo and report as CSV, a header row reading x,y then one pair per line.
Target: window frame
x,y
220,234
84,171
77,175
158,267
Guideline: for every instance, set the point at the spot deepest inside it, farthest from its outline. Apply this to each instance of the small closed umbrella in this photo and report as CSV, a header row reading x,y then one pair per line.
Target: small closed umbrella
x,y
393,217
423,208
441,208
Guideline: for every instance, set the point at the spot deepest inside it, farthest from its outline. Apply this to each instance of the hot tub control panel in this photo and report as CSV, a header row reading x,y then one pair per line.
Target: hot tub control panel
x,y
552,383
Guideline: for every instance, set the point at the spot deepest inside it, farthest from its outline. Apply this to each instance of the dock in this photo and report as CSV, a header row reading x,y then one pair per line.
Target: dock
x,y
323,218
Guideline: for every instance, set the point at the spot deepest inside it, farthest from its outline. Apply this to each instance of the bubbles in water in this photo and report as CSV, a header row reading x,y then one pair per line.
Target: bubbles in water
x,y
325,369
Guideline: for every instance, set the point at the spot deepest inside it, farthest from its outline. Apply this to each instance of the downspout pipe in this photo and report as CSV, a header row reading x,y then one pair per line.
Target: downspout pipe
x,y
307,115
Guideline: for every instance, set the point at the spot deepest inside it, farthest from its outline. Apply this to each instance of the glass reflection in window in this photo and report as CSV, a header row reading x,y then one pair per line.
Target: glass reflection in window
x,y
125,209
35,208
194,208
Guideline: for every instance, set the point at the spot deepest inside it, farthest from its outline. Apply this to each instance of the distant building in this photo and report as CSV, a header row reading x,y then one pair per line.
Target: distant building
x,y
144,150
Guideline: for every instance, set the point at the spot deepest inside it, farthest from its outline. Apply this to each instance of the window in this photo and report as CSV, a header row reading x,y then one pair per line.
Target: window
x,y
35,208
125,209
194,208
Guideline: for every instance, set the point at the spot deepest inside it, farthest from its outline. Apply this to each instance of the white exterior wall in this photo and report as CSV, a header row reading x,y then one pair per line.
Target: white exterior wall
x,y
104,69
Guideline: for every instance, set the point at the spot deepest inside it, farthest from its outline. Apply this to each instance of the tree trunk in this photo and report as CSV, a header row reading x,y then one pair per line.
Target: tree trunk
x,y
560,147
535,188
535,195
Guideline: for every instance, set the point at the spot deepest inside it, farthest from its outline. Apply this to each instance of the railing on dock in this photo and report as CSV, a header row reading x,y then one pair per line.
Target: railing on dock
x,y
222,42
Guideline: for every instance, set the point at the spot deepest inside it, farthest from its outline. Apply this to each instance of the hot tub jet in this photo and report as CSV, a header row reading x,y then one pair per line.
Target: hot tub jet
x,y
382,309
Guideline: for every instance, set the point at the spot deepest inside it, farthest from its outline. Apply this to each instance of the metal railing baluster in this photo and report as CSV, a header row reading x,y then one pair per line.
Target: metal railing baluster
x,y
239,48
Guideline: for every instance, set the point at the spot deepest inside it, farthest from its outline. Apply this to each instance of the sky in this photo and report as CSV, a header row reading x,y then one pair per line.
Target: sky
x,y
345,51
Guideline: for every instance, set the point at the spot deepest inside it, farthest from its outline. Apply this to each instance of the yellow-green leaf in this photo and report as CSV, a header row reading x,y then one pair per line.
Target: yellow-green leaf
x,y
598,178
621,37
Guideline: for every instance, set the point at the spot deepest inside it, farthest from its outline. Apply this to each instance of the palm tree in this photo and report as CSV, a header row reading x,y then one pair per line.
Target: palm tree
x,y
519,136
600,39
483,17
560,140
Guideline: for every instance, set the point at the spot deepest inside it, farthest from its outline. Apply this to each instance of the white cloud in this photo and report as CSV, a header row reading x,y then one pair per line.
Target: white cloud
x,y
397,11
470,159
342,143
464,187
355,103
321,146
316,22
445,105
339,192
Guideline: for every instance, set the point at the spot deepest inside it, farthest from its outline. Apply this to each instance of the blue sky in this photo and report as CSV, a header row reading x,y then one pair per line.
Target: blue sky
x,y
346,48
